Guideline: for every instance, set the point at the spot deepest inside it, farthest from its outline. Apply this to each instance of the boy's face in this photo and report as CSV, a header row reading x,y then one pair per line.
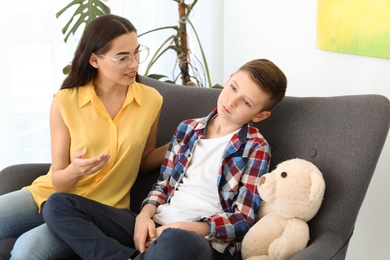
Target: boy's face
x,y
242,100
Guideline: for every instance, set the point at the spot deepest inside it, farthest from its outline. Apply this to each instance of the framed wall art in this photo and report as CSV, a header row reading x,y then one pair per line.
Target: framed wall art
x,y
354,26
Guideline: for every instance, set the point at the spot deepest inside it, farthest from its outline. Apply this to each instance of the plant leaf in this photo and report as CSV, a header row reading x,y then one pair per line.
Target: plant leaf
x,y
86,12
159,29
217,86
157,76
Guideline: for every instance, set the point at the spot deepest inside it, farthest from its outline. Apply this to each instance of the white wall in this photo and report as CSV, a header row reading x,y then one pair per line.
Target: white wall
x,y
285,32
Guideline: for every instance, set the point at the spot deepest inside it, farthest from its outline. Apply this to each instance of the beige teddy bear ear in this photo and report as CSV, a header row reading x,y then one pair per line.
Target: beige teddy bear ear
x,y
317,188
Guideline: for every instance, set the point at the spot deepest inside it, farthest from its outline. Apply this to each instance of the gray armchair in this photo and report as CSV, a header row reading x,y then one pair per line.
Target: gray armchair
x,y
343,136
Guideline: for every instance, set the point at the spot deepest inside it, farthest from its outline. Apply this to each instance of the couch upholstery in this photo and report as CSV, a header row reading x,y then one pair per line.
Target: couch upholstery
x,y
342,135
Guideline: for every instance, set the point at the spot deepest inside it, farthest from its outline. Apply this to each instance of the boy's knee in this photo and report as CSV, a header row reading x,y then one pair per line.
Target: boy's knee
x,y
174,242
176,234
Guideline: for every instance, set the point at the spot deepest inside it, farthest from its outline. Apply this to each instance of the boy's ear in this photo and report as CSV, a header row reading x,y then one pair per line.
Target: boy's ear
x,y
93,60
261,116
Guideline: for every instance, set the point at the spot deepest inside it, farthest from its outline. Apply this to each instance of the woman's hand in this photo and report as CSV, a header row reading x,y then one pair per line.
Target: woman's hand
x,y
81,166
65,179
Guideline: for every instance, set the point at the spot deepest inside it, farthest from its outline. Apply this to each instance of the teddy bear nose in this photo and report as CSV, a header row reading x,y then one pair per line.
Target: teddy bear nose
x,y
262,180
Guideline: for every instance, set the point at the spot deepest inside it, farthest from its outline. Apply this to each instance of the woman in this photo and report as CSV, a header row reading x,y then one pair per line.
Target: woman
x,y
103,126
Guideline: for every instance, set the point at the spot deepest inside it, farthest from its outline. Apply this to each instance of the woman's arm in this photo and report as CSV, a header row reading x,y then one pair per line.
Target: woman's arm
x,y
152,157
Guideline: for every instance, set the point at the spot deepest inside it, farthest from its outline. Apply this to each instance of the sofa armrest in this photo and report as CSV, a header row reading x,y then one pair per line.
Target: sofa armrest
x,y
326,246
17,176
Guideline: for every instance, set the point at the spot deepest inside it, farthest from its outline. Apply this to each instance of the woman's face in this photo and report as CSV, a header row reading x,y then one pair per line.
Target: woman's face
x,y
119,64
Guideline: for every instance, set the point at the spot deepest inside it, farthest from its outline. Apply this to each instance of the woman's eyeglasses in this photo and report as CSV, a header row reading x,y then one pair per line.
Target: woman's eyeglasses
x,y
123,61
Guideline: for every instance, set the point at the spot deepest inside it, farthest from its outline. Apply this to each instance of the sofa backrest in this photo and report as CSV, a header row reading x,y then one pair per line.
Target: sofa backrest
x,y
343,136
180,103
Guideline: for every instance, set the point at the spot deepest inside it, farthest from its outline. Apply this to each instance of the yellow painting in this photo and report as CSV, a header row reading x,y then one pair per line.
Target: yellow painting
x,y
354,26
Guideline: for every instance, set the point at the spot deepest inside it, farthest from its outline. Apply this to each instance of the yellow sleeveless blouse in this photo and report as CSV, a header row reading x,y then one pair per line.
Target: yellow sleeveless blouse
x,y
123,137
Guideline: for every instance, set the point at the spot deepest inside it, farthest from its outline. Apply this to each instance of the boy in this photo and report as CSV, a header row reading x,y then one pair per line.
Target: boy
x,y
205,198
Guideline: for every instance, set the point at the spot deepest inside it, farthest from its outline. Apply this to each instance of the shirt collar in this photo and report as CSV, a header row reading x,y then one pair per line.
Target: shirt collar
x,y
87,94
243,135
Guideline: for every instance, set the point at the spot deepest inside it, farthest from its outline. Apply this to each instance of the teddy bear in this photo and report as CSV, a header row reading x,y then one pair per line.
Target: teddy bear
x,y
291,195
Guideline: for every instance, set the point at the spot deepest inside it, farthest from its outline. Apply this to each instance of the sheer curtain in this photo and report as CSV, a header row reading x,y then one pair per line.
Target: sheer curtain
x,y
34,54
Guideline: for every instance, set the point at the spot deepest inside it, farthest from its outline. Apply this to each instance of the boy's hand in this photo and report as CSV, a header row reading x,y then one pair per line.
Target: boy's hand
x,y
144,232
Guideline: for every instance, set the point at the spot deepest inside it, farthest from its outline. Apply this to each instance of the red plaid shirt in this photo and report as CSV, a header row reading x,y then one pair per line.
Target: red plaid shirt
x,y
245,160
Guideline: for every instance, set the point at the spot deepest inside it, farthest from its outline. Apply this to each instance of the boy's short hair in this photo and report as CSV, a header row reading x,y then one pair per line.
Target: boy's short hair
x,y
269,77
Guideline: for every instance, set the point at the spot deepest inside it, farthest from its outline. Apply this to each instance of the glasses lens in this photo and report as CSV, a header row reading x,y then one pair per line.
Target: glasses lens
x,y
123,61
142,54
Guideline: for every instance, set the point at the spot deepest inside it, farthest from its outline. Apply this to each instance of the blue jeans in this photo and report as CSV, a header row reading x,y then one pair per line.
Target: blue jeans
x,y
19,218
97,231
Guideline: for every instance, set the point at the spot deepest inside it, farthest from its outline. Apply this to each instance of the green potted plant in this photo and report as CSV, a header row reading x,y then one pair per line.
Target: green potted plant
x,y
87,11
